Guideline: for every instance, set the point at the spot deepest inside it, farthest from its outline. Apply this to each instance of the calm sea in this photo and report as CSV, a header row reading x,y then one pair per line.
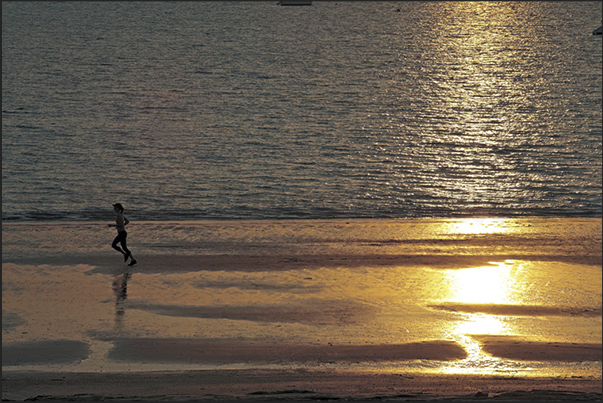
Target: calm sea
x,y
251,110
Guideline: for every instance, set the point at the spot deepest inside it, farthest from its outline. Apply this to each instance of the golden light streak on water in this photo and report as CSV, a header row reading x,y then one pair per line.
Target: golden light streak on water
x,y
480,226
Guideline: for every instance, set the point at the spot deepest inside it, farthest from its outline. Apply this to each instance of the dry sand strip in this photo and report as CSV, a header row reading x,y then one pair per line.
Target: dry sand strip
x,y
251,263
318,313
292,385
236,351
105,264
523,350
44,352
518,310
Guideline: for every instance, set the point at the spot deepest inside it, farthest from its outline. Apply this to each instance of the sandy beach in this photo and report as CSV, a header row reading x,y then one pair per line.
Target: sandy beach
x,y
259,310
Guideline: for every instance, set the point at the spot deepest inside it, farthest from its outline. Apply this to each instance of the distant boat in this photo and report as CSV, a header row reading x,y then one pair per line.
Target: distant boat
x,y
597,31
294,3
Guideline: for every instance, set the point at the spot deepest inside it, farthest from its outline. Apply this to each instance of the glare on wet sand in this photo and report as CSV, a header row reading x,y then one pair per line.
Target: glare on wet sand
x,y
429,296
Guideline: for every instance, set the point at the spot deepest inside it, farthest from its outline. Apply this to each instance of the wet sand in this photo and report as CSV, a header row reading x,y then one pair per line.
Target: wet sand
x,y
260,384
408,309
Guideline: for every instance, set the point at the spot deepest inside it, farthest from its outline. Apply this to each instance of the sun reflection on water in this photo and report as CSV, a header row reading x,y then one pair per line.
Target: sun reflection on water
x,y
480,226
482,285
478,287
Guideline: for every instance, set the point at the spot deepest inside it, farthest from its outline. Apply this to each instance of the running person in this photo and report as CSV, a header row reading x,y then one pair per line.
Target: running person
x,y
120,224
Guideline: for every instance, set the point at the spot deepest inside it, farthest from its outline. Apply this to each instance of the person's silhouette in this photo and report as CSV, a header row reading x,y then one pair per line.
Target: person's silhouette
x,y
120,224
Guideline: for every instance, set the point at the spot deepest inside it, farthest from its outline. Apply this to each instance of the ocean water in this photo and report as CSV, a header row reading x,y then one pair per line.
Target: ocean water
x,y
226,110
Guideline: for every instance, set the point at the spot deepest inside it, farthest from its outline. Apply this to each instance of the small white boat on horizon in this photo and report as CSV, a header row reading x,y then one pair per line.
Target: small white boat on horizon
x,y
295,3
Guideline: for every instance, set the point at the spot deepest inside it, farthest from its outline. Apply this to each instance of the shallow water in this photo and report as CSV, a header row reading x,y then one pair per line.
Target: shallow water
x,y
222,110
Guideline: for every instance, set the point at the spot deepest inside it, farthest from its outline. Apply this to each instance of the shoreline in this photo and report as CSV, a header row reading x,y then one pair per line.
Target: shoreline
x,y
216,221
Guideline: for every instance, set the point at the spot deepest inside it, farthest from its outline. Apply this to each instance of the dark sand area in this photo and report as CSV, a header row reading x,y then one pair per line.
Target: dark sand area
x,y
171,350
220,351
258,384
296,384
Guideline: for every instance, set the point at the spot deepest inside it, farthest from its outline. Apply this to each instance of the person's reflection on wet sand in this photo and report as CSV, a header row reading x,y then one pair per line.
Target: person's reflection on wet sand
x,y
120,288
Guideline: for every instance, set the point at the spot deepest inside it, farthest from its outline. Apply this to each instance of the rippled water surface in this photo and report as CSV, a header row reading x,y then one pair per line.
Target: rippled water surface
x,y
195,110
